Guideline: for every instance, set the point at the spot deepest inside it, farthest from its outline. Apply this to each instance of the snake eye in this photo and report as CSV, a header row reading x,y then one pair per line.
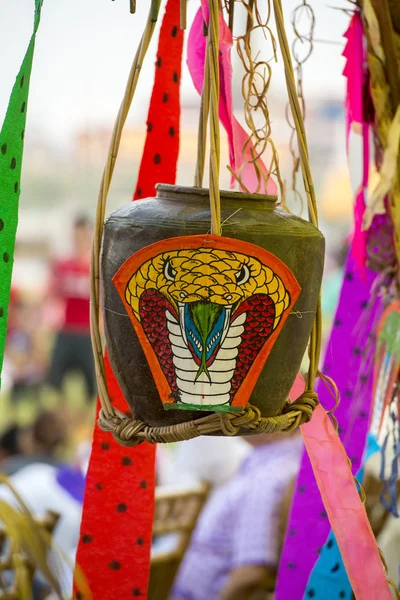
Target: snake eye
x,y
243,275
169,272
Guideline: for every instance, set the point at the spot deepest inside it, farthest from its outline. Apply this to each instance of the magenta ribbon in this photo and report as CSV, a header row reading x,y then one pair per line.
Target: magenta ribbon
x,y
240,155
359,115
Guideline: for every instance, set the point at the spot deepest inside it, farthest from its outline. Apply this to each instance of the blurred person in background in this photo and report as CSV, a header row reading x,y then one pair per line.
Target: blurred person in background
x,y
213,460
205,459
39,443
60,489
70,284
234,551
25,357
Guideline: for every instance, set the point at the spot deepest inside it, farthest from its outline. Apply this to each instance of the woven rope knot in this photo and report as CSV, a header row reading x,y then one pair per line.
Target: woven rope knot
x,y
301,410
130,432
108,422
124,429
249,418
126,433
305,403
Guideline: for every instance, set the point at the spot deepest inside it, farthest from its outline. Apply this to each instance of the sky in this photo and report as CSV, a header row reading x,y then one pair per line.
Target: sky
x,y
85,48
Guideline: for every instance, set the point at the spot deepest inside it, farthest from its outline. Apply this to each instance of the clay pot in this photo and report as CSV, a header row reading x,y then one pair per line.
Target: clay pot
x,y
178,211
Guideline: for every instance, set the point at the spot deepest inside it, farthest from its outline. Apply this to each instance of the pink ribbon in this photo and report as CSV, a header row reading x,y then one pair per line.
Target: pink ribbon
x,y
343,505
345,510
240,157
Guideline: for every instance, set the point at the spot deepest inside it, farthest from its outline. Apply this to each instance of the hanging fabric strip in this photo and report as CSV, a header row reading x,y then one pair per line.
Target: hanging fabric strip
x,y
329,579
115,536
345,510
116,529
344,348
161,149
11,152
241,161
359,115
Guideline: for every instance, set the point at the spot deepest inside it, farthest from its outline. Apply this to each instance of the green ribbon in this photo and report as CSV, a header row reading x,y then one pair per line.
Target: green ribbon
x,y
11,152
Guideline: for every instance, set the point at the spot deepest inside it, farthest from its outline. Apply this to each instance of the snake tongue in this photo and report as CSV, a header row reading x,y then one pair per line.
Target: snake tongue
x,y
204,326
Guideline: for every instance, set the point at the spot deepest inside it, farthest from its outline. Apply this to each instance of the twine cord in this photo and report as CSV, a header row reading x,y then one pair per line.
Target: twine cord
x,y
255,85
213,71
302,48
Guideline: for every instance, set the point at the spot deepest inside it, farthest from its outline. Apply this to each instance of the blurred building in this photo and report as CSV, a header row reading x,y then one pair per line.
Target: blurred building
x,y
60,181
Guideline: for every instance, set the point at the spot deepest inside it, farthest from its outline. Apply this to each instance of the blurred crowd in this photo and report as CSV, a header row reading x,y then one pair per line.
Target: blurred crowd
x,y
62,316
45,445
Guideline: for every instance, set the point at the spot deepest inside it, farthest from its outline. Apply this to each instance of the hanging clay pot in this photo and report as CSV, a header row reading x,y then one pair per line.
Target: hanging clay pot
x,y
198,323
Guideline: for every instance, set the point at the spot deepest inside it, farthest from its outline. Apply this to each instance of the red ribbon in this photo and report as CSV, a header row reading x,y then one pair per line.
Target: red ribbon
x,y
116,527
161,149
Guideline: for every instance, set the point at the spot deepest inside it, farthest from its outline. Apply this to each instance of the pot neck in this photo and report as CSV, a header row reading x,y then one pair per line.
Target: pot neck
x,y
195,195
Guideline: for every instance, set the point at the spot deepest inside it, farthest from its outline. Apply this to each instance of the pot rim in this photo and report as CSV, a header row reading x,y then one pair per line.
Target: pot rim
x,y
225,194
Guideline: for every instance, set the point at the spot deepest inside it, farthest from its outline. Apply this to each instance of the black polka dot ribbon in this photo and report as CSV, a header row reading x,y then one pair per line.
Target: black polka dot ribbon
x,y
11,151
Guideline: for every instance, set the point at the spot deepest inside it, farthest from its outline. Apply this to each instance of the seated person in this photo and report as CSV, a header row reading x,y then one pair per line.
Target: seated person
x,y
235,546
213,460
38,443
60,489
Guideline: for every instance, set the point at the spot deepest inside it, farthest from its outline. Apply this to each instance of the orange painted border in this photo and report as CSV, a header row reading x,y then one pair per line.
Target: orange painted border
x,y
132,264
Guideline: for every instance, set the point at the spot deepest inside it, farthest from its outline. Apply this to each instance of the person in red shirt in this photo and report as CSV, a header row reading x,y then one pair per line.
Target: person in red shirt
x,y
70,283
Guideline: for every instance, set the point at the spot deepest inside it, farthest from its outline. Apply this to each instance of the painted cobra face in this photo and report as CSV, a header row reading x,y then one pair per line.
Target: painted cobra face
x,y
206,314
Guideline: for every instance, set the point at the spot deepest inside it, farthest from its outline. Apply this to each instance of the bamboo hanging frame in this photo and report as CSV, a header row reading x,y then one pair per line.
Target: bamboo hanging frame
x,y
129,431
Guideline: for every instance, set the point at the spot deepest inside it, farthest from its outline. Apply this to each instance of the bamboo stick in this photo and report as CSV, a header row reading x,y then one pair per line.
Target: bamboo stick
x,y
101,207
183,13
213,62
